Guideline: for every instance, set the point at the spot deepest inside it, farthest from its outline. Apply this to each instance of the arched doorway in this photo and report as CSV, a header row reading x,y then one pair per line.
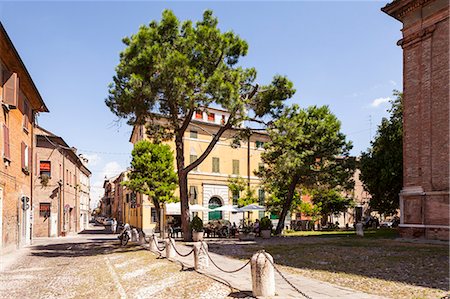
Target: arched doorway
x,y
214,202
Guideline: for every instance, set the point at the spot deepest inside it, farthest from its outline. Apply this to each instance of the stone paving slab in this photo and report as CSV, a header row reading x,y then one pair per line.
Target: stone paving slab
x,y
242,280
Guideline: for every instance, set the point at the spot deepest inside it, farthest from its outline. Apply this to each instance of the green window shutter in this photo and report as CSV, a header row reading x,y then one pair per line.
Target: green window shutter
x,y
192,158
194,134
215,164
235,166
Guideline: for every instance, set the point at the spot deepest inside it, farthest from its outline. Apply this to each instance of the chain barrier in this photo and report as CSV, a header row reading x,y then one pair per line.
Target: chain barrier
x,y
157,247
282,276
223,270
175,248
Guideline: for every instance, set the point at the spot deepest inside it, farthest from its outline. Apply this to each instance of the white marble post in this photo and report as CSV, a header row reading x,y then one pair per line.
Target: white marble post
x,y
153,242
359,229
170,251
263,275
201,260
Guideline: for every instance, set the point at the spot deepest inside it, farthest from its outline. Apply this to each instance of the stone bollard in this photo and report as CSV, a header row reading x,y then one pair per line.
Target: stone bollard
x,y
263,275
153,242
134,235
201,260
170,251
359,229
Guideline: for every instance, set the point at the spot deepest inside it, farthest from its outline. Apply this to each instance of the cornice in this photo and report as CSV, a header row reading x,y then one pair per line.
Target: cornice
x,y
398,9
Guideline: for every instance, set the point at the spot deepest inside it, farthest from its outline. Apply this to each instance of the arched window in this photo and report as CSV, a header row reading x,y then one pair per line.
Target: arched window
x,y
215,202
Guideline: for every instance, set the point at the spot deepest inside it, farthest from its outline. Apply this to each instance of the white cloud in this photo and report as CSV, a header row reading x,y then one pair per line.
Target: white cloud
x,y
393,83
378,101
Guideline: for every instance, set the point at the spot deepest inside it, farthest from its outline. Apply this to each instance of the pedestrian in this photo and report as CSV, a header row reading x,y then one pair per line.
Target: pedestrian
x,y
114,225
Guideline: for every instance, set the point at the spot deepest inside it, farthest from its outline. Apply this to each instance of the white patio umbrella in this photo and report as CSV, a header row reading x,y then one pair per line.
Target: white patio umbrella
x,y
227,208
252,207
199,208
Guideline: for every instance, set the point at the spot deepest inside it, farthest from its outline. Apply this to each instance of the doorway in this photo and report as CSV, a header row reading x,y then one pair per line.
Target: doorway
x,y
214,202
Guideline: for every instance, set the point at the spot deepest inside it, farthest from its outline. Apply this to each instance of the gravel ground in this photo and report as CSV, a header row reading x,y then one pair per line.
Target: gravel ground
x,y
387,267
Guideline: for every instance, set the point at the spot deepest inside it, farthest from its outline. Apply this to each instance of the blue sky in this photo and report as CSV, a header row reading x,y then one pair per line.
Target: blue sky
x,y
340,54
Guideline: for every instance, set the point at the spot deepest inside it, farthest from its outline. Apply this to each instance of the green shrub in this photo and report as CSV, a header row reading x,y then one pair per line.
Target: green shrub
x,y
197,224
265,223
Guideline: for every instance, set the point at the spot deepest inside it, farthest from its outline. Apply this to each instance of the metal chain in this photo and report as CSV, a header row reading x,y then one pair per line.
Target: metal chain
x,y
175,248
223,270
157,247
282,276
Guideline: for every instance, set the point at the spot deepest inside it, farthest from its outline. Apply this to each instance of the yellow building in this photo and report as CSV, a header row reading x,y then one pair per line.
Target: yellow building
x,y
208,183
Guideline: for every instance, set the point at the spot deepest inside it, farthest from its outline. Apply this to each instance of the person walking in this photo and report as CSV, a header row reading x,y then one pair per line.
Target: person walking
x,y
114,225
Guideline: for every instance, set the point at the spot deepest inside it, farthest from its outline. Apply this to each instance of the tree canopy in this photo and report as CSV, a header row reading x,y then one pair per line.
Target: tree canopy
x,y
306,150
382,164
152,172
171,69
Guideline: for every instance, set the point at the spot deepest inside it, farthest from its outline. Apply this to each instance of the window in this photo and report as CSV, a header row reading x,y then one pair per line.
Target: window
x,y
223,120
192,158
193,195
6,150
67,176
211,117
259,144
198,114
26,158
235,166
26,115
11,91
215,164
153,216
44,209
235,197
194,134
261,197
45,168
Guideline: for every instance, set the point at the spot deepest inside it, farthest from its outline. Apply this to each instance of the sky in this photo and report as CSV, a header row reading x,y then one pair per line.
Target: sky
x,y
340,54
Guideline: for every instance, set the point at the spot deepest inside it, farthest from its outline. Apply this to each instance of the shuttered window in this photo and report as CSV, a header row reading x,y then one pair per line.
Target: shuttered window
x,y
6,149
11,91
261,196
235,197
215,164
193,194
235,166
198,114
45,168
192,158
211,117
44,209
194,134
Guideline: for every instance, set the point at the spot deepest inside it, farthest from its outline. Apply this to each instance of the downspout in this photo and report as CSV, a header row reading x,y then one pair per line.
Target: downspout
x,y
32,175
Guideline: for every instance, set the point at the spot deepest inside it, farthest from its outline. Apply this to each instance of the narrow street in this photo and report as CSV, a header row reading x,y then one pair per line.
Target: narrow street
x,y
93,265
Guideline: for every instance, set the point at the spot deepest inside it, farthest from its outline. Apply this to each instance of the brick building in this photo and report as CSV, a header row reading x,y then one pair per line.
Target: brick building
x,y
424,199
61,187
20,102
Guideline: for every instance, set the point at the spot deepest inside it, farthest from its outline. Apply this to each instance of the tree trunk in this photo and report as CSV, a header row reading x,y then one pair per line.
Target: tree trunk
x,y
287,205
183,186
158,213
184,199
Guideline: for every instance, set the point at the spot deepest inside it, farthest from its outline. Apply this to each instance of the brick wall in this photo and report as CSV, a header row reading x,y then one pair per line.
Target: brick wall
x,y
424,200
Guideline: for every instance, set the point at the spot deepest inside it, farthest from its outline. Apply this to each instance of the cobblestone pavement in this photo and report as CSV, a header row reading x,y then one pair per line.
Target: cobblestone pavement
x,y
93,265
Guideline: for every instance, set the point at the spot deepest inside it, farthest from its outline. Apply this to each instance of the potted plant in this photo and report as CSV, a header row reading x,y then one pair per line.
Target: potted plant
x,y
246,232
197,229
44,180
265,226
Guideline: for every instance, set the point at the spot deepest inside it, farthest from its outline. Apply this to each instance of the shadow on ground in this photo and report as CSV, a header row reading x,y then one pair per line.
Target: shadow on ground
x,y
418,264
92,248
